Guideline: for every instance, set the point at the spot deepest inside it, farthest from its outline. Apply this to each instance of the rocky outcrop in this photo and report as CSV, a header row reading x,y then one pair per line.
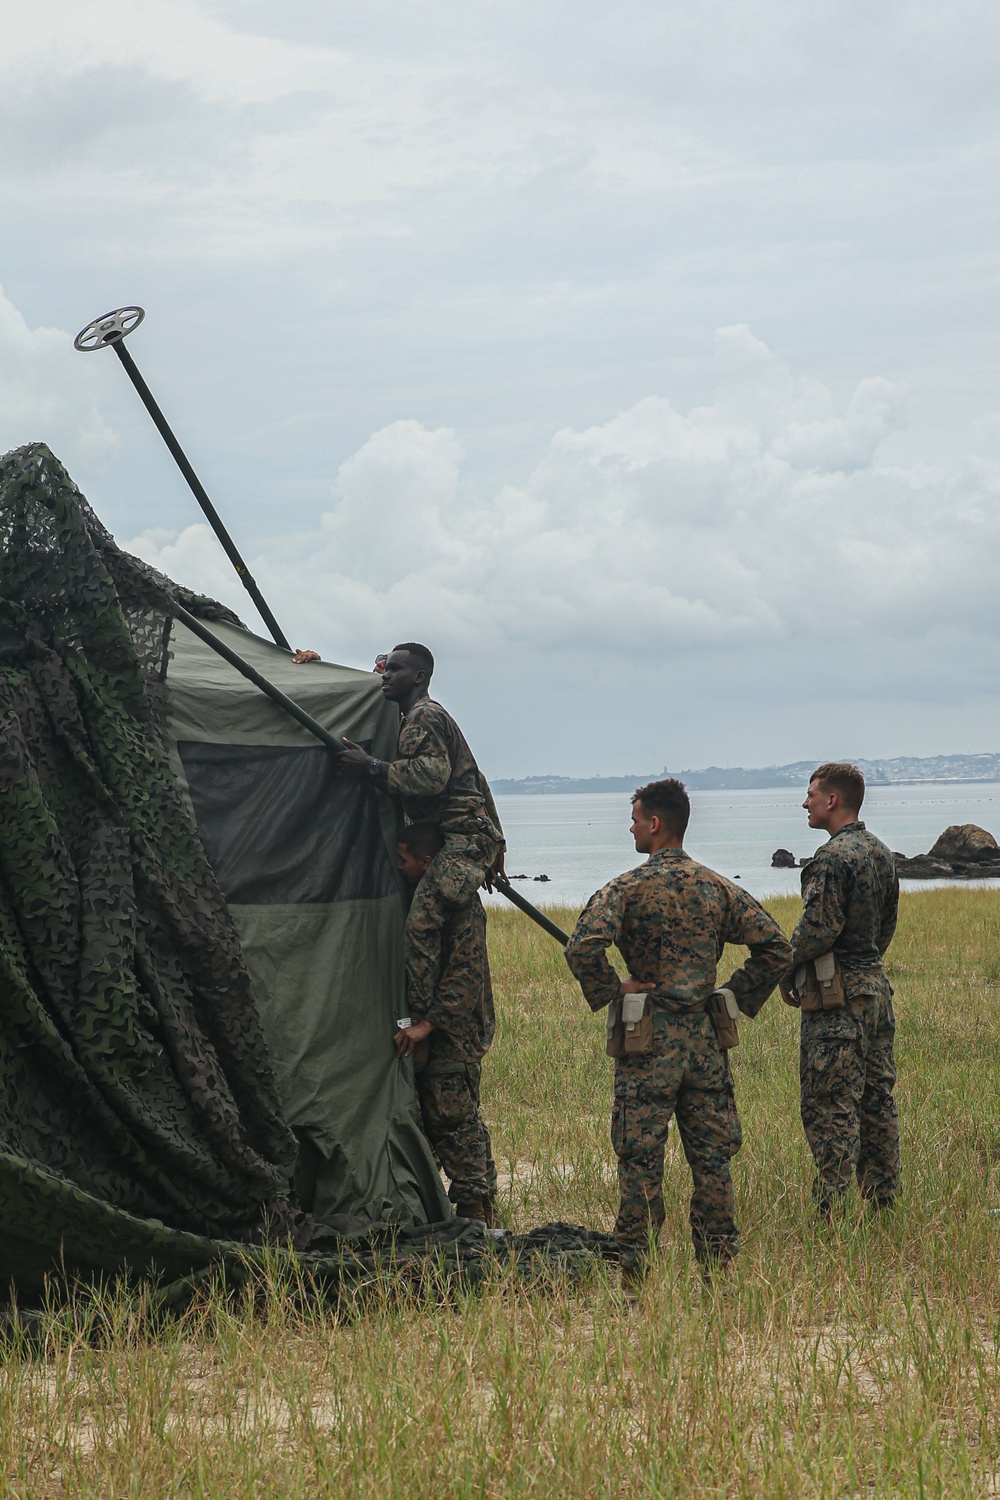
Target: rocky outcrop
x,y
962,842
922,867
963,852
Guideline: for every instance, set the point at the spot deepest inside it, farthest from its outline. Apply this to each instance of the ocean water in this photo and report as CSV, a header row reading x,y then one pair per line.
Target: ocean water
x,y
580,842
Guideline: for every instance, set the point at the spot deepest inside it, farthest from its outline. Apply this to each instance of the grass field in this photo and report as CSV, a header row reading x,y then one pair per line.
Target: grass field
x,y
859,1360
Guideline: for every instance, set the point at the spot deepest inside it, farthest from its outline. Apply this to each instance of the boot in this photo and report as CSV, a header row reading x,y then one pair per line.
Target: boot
x,y
473,1209
491,1213
634,1276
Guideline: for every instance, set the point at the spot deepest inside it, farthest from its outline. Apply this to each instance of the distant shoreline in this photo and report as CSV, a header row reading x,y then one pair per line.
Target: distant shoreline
x,y
936,770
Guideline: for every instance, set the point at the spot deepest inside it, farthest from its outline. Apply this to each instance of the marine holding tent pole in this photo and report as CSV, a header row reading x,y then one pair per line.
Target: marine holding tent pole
x,y
113,329
201,630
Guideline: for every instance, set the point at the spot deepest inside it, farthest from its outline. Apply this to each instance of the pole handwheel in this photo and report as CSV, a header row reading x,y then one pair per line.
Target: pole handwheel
x,y
111,329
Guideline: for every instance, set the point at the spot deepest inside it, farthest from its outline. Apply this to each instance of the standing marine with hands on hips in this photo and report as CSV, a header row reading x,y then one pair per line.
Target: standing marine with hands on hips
x,y
669,1026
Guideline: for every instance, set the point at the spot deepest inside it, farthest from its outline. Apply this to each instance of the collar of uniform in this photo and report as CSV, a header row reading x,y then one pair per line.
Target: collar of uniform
x,y
850,827
669,854
418,704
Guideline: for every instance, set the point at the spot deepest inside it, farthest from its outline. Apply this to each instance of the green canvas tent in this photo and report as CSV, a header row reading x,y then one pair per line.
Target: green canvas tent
x,y
306,861
170,1062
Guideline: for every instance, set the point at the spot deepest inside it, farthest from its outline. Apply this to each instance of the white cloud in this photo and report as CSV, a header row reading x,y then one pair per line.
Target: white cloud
x,y
47,394
484,235
173,39
195,558
171,106
763,518
216,122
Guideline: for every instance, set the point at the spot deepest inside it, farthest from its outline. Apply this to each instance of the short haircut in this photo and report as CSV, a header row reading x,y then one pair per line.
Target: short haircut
x,y
669,800
422,654
841,777
422,838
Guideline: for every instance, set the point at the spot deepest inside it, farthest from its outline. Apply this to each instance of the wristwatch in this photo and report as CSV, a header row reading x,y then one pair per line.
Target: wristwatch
x,y
375,769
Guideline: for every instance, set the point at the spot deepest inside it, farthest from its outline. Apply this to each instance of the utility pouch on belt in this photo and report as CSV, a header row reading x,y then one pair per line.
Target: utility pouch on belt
x,y
637,1023
615,1044
725,1014
819,984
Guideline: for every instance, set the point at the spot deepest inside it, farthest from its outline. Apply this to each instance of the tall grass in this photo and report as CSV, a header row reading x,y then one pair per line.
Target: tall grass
x,y
858,1360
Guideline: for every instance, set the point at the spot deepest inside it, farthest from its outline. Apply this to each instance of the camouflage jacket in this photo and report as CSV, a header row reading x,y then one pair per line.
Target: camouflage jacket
x,y
671,919
462,1007
850,892
436,776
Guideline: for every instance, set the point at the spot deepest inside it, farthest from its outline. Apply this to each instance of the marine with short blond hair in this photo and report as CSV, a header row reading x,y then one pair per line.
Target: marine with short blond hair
x,y
847,1071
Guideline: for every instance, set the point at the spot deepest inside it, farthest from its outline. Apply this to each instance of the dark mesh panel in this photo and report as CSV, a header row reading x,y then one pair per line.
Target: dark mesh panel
x,y
133,1061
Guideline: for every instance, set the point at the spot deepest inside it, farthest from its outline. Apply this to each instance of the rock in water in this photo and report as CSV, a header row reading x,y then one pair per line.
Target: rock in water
x,y
963,841
782,859
922,867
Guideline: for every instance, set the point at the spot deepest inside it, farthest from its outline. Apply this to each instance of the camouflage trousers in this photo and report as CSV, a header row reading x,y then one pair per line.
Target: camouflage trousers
x,y
453,877
451,1119
846,1075
686,1075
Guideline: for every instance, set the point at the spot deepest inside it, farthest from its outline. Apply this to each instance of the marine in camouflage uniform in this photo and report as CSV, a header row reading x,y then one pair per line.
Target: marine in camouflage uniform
x,y
670,920
437,780
450,1035
461,1013
847,1072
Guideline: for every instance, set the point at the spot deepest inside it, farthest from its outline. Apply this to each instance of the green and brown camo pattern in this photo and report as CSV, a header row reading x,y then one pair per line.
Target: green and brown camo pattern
x,y
448,1088
850,902
461,1005
135,1076
437,779
847,1069
670,919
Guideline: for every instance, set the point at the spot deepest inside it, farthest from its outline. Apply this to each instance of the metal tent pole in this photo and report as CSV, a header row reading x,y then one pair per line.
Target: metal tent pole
x,y
290,707
516,899
112,330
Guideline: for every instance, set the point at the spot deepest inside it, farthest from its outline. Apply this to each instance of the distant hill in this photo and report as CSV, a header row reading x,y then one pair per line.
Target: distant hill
x,y
904,768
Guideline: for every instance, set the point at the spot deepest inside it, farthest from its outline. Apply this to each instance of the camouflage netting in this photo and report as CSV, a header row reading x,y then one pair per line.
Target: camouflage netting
x,y
141,1131
136,1081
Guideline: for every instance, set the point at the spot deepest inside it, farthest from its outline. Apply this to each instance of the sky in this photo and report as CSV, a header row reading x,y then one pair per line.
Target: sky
x,y
637,356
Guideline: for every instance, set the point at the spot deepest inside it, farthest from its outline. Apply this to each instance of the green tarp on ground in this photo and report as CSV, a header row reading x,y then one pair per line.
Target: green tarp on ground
x,y
144,1118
